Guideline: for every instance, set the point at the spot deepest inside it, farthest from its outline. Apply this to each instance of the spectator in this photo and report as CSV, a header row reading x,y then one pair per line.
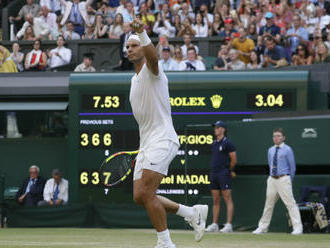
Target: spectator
x,y
186,28
177,24
178,57
207,17
245,13
243,45
70,34
163,42
124,63
56,190
17,56
317,39
89,33
29,34
116,30
76,13
270,29
31,190
91,15
222,60
147,18
200,28
326,30
302,56
40,28
54,6
187,44
163,27
216,26
185,13
30,8
86,65
192,63
274,55
228,31
100,28
297,34
36,60
322,19
167,63
322,55
103,10
236,63
165,12
252,32
50,19
6,62
60,55
199,3
255,61
128,12
121,7
327,43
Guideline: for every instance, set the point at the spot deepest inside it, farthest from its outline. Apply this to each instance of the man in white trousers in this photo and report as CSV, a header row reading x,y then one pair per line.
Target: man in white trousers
x,y
282,168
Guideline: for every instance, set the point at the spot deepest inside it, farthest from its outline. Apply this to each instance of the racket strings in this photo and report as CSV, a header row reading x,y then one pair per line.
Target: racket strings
x,y
118,167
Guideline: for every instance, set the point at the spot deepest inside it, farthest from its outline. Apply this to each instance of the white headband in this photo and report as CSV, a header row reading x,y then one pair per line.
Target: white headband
x,y
133,37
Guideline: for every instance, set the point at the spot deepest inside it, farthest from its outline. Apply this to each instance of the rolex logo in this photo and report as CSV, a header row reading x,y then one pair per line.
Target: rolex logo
x,y
216,101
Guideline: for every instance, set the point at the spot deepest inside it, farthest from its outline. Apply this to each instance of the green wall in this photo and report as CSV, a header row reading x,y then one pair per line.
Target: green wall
x,y
17,155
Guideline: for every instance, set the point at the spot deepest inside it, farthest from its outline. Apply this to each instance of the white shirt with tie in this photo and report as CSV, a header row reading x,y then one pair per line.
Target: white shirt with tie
x,y
63,188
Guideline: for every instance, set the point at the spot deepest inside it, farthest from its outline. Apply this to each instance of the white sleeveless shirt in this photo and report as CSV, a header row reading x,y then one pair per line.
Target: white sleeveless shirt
x,y
150,101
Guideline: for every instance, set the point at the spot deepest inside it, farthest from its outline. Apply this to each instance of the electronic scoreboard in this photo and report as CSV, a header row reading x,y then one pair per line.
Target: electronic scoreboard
x,y
101,123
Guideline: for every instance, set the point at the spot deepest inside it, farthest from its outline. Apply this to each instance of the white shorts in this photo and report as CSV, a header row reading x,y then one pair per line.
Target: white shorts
x,y
157,159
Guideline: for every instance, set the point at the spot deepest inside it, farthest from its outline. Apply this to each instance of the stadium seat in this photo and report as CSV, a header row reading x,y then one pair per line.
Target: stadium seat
x,y
209,62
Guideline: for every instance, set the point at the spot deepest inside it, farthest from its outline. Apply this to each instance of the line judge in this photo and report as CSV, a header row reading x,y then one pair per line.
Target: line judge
x,y
282,169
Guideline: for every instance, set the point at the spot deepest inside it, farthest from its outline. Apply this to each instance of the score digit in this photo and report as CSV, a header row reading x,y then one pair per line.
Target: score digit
x,y
84,178
96,101
95,139
84,139
96,178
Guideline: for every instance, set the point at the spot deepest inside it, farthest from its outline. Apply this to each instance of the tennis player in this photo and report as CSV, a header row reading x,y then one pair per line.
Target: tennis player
x,y
149,97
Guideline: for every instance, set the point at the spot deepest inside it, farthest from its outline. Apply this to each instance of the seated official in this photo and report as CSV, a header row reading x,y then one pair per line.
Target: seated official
x,y
30,193
56,191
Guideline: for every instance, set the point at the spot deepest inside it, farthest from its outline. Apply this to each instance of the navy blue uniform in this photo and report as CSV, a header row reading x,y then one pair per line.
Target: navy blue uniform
x,y
220,176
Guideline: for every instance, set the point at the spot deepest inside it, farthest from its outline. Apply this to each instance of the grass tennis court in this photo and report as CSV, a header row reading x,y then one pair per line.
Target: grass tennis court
x,y
145,238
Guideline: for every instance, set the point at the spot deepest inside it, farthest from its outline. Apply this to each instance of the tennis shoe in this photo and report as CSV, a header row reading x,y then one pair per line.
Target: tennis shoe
x,y
198,220
212,228
297,231
228,228
162,245
259,231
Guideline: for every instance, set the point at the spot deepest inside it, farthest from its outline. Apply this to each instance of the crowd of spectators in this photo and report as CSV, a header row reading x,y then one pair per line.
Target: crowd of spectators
x,y
253,33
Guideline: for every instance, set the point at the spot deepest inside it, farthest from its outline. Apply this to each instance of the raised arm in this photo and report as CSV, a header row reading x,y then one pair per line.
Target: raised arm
x,y
149,50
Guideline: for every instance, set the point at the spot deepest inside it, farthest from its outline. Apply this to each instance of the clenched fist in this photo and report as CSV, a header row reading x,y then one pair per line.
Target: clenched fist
x,y
137,25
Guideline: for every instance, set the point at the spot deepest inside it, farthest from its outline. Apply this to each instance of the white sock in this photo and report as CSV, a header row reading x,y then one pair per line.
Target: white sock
x,y
185,211
164,237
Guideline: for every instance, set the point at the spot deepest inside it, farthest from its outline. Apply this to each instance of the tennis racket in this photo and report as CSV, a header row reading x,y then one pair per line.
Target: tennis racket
x,y
116,168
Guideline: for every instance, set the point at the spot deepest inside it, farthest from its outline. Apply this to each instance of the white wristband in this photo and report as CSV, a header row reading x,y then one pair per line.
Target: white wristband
x,y
144,38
